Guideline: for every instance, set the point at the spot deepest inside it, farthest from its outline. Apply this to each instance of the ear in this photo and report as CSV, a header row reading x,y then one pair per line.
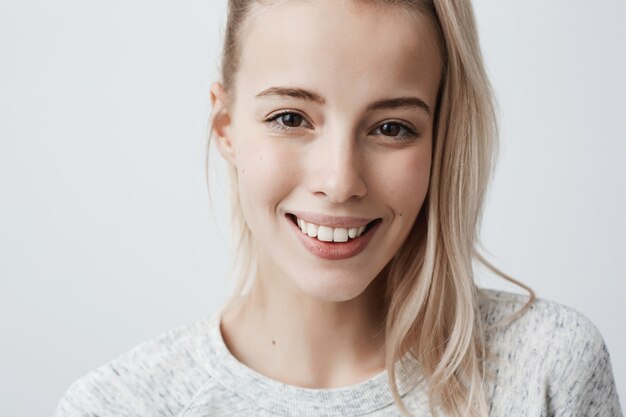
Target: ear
x,y
221,123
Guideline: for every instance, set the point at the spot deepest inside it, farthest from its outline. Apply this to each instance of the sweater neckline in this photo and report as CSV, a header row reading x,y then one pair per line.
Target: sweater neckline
x,y
284,399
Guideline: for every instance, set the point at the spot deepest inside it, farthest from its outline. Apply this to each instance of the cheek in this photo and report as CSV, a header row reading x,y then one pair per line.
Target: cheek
x,y
267,172
406,180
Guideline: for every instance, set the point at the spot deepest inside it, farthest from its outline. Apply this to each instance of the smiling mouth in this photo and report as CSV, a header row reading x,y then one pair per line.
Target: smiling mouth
x,y
345,234
333,243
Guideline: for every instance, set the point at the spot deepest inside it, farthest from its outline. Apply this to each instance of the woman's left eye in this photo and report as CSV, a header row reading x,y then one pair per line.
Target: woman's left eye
x,y
395,129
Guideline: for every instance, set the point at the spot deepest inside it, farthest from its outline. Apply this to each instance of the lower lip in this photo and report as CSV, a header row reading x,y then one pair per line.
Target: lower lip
x,y
335,250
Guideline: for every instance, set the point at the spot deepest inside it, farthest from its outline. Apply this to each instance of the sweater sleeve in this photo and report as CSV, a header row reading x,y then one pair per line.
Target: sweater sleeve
x,y
157,378
581,381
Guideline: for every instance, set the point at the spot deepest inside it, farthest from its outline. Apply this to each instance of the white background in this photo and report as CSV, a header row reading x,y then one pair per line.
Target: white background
x,y
106,237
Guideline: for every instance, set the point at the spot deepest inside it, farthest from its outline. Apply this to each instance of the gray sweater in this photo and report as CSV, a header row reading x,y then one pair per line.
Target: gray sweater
x,y
553,362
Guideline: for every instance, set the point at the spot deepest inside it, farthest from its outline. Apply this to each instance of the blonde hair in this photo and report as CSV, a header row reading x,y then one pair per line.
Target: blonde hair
x,y
431,297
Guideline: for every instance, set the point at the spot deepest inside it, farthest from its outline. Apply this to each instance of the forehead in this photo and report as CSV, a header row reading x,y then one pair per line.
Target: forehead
x,y
340,48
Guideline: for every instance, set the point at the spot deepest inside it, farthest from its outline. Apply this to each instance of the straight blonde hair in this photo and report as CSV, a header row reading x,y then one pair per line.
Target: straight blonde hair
x,y
431,298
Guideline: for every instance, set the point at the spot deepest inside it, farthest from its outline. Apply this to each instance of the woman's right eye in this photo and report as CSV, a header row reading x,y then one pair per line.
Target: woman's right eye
x,y
286,120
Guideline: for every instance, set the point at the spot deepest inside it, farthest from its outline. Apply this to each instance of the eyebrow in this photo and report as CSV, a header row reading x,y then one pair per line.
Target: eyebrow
x,y
298,93
302,94
401,102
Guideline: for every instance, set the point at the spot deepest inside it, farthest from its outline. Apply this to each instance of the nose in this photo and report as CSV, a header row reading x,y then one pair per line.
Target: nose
x,y
339,169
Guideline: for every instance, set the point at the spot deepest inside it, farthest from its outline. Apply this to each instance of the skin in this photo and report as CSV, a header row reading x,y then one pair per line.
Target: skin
x,y
314,322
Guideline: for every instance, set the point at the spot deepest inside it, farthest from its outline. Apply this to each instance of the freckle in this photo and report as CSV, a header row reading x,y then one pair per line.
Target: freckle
x,y
273,342
400,214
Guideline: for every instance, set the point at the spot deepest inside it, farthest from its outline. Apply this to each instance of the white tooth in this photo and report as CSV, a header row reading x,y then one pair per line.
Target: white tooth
x,y
299,222
303,226
325,233
340,234
360,231
311,229
352,232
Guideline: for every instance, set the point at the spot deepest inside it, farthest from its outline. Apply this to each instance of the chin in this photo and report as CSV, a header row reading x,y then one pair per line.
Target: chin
x,y
332,288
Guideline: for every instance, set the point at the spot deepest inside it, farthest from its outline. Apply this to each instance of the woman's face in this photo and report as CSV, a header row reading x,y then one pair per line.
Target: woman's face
x,y
332,122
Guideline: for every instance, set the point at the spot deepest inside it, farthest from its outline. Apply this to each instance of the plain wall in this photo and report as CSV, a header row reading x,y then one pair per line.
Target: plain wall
x,y
106,236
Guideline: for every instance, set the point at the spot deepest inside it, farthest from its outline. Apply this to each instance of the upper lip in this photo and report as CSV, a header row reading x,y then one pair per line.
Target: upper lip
x,y
331,221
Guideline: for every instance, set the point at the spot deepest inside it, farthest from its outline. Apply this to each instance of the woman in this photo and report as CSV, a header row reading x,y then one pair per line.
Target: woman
x,y
359,137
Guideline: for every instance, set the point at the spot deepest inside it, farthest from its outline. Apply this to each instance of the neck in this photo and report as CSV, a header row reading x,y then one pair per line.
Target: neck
x,y
303,341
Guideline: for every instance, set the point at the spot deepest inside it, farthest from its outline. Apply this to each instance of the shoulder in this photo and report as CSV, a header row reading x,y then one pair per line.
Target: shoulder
x,y
553,345
543,326
159,375
541,317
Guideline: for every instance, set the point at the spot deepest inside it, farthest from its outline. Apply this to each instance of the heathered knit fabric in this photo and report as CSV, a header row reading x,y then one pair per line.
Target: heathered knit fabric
x,y
552,362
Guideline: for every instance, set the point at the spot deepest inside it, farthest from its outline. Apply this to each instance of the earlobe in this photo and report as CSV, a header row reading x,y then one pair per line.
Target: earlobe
x,y
221,123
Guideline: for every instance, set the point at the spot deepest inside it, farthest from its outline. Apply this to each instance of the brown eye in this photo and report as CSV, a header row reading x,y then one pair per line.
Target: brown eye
x,y
396,131
390,129
291,119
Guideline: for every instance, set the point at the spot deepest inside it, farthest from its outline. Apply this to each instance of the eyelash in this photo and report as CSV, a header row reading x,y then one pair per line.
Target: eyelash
x,y
410,133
